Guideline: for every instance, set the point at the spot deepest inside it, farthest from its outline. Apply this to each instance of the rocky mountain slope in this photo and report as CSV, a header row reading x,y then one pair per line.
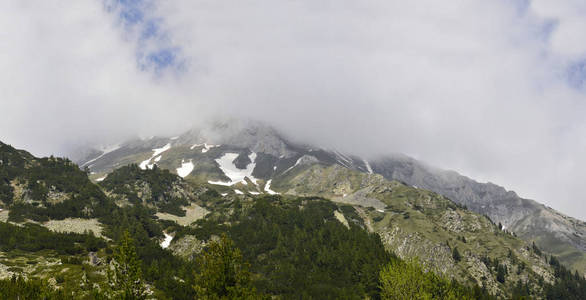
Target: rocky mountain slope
x,y
163,210
551,230
413,222
38,187
247,158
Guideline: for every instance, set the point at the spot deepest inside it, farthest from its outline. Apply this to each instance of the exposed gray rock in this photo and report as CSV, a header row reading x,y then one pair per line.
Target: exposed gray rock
x,y
527,218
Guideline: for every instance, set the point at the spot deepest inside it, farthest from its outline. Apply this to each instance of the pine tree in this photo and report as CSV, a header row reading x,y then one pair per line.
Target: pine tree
x,y
456,254
501,273
223,275
126,279
408,280
536,249
404,280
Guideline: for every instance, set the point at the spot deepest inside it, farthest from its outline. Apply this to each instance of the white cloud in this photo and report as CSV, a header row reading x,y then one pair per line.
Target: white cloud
x,y
69,73
570,25
477,86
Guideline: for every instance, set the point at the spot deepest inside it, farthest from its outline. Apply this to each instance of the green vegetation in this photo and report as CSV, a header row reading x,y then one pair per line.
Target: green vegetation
x,y
158,266
501,273
12,164
126,281
50,188
18,288
282,247
566,285
456,254
296,247
408,280
131,182
307,252
223,273
32,238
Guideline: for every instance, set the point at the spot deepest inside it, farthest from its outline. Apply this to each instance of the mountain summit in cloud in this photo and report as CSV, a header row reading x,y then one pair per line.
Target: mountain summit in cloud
x,y
297,149
248,155
491,89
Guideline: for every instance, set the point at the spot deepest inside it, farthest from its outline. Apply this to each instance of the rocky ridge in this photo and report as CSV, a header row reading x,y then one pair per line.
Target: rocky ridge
x,y
277,159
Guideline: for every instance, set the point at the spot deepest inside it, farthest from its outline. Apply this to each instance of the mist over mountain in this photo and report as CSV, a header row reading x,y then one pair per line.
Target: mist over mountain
x,y
492,90
158,204
309,149
227,153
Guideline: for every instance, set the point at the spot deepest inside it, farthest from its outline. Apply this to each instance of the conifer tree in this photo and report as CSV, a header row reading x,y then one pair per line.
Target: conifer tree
x,y
223,275
125,279
408,280
501,273
456,254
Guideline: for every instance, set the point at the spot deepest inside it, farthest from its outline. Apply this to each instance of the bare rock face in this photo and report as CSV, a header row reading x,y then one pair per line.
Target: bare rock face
x,y
93,259
482,274
255,136
187,247
452,221
260,139
435,256
552,231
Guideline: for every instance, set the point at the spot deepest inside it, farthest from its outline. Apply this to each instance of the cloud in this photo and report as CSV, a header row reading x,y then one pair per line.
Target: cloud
x,y
493,89
70,74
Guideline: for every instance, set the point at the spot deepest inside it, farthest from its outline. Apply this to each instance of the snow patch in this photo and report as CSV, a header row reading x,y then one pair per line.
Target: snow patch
x,y
220,183
207,147
368,167
303,160
105,151
167,241
268,188
145,164
293,166
252,157
185,169
236,175
161,150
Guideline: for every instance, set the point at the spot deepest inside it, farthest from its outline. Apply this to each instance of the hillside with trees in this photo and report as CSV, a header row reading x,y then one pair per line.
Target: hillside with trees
x,y
246,246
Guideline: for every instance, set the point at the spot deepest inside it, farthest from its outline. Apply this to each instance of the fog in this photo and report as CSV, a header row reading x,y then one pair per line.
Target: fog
x,y
492,89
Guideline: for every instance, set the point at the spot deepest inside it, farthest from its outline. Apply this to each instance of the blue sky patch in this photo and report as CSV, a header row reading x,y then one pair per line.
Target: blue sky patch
x,y
155,52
